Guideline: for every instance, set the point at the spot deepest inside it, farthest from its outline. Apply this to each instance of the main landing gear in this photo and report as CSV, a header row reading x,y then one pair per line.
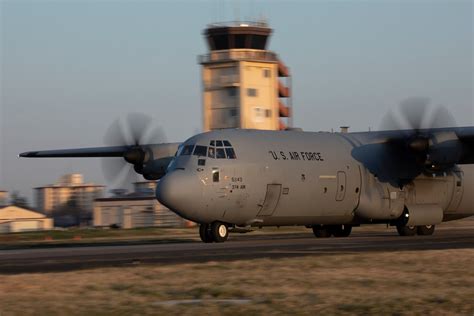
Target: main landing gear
x,y
424,230
325,231
215,232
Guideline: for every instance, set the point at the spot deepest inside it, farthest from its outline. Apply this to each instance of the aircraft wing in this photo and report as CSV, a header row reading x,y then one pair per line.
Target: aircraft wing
x,y
116,151
149,160
398,156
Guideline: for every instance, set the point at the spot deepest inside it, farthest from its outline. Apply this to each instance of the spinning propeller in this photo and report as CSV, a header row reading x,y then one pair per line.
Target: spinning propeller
x,y
417,121
132,132
413,140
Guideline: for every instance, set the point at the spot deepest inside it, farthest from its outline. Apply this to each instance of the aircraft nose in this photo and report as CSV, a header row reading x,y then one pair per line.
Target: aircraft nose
x,y
180,192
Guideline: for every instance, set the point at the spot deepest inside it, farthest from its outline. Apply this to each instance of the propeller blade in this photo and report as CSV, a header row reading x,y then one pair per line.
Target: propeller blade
x,y
441,118
115,136
391,122
138,125
155,136
414,112
112,168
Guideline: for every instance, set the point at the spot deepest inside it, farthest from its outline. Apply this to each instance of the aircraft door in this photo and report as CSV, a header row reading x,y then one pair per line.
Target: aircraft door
x,y
272,198
341,185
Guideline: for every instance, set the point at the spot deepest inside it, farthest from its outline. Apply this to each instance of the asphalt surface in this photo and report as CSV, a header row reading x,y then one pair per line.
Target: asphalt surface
x,y
238,246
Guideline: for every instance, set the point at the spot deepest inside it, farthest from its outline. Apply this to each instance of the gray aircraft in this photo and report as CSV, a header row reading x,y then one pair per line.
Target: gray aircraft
x,y
232,180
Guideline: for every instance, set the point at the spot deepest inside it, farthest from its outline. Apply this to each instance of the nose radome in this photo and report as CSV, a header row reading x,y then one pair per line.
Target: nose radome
x,y
180,192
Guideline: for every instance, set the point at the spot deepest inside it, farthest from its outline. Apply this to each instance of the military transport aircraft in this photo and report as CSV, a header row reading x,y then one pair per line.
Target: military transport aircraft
x,y
232,180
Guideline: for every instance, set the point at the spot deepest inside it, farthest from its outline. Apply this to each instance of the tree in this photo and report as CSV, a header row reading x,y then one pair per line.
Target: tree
x,y
18,200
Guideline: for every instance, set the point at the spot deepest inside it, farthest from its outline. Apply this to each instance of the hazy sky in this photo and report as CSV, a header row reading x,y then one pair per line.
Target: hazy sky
x,y
69,68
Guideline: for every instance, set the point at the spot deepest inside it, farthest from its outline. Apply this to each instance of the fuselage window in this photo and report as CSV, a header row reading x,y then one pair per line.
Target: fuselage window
x,y
188,150
200,151
220,153
212,143
219,143
212,152
227,143
230,153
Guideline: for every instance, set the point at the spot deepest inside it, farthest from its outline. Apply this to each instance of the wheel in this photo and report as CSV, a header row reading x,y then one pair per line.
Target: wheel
x,y
341,230
322,231
219,232
205,233
425,230
406,230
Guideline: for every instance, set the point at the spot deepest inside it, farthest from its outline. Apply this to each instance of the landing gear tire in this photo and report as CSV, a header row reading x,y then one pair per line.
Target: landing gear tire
x,y
406,230
205,233
425,230
322,231
342,230
219,232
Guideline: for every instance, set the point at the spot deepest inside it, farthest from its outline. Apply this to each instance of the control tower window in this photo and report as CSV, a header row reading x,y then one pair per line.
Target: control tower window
x,y
251,92
240,41
200,151
221,42
188,150
266,73
259,41
232,92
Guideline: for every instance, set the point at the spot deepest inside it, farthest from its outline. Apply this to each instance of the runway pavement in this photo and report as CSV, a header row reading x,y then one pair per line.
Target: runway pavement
x,y
238,246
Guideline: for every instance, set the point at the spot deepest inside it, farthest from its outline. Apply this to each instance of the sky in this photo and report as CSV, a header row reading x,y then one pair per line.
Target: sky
x,y
70,68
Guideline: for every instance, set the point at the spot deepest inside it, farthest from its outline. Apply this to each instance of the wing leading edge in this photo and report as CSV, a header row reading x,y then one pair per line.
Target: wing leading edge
x,y
116,151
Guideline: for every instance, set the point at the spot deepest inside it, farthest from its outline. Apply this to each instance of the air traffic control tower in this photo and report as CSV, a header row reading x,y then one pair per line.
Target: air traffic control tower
x,y
244,84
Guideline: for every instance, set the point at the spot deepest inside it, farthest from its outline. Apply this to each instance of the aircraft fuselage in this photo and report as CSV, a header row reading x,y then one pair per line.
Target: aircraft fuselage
x,y
301,178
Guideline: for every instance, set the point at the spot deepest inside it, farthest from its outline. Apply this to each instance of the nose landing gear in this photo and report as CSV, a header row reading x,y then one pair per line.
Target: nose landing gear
x,y
215,232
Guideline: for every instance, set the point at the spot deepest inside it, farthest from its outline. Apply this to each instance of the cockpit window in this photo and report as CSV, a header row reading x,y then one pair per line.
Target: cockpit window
x,y
212,152
220,153
230,153
224,150
179,151
188,150
200,151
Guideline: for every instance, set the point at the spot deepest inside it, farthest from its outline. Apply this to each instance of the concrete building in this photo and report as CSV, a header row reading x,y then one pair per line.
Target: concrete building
x,y
70,190
18,219
240,79
3,198
135,210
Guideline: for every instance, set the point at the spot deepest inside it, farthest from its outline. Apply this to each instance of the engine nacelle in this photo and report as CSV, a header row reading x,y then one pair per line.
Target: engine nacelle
x,y
424,214
379,201
445,149
156,159
156,169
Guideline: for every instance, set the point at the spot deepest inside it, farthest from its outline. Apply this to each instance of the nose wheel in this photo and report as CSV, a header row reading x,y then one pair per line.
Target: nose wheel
x,y
215,232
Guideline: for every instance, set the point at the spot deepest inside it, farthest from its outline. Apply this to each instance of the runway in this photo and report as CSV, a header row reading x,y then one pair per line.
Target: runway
x,y
238,246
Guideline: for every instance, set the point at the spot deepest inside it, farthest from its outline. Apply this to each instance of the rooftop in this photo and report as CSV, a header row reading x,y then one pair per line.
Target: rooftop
x,y
262,24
